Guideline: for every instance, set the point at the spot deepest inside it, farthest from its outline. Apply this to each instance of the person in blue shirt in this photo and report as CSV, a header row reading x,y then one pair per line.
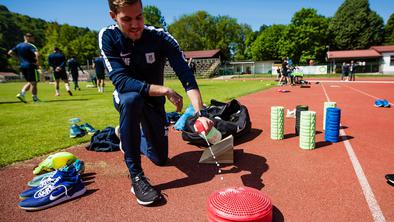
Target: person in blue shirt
x,y
28,58
57,61
98,64
134,55
73,66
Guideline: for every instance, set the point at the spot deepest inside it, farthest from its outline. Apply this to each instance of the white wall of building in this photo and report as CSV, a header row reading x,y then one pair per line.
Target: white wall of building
x,y
263,67
385,66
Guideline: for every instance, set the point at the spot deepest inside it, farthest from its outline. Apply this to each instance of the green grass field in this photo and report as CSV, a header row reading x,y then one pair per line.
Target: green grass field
x,y
30,130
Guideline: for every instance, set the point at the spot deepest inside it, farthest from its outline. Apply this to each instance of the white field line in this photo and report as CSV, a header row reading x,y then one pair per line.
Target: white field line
x,y
373,205
352,82
367,94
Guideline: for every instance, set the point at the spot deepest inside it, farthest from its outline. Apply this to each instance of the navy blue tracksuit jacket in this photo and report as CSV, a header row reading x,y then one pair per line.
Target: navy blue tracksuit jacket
x,y
132,67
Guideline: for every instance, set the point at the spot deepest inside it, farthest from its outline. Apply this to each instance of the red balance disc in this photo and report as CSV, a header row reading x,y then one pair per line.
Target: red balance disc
x,y
239,204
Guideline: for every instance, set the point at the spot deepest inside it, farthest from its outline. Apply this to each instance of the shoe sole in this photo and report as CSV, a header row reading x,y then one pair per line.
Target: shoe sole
x,y
58,201
22,100
144,203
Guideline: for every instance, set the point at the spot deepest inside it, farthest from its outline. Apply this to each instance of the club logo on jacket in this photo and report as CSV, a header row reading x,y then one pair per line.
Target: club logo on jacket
x,y
150,57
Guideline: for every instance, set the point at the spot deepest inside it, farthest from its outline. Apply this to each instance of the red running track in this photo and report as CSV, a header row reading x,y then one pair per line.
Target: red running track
x,y
324,184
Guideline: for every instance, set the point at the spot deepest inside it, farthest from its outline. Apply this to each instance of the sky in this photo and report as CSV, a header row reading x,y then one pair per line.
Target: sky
x,y
94,13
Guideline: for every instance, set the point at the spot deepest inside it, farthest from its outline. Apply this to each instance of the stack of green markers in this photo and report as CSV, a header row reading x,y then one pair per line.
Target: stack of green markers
x,y
327,105
307,130
277,122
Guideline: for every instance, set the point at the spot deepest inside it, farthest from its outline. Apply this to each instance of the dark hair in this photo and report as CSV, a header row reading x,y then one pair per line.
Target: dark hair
x,y
114,5
56,49
28,35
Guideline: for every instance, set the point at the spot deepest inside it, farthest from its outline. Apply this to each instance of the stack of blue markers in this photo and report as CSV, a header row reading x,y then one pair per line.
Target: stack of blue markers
x,y
333,120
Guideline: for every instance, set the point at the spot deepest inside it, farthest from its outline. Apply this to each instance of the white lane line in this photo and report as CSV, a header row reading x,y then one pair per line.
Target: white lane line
x,y
352,82
367,94
373,205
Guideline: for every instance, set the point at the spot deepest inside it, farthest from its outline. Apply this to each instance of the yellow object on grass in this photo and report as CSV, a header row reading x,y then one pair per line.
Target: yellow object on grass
x,y
55,161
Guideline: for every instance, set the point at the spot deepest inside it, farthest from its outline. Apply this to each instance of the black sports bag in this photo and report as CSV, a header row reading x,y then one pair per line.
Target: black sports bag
x,y
230,118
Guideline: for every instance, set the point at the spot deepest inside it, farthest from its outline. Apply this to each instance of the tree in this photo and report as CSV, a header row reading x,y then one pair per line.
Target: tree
x,y
201,31
194,32
247,37
152,16
80,42
266,46
389,31
10,35
72,41
306,37
356,26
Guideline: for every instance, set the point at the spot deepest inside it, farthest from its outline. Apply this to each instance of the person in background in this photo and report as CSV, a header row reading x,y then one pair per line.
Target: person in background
x,y
278,73
285,73
343,71
135,56
98,64
57,61
28,58
352,71
73,66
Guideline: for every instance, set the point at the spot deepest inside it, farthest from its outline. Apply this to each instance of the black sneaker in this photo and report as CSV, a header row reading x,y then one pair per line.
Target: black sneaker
x,y
70,93
144,192
390,178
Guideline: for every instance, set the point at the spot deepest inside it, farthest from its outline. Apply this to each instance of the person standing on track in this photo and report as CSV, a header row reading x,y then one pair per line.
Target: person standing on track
x,y
58,62
28,58
352,71
135,56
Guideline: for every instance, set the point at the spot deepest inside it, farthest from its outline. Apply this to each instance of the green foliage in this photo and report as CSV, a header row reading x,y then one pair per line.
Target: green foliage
x,y
80,42
30,130
245,40
389,31
152,16
356,26
266,46
73,41
306,37
194,31
201,31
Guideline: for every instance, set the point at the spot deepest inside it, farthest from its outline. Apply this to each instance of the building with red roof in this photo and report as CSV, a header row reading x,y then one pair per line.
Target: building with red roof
x,y
376,59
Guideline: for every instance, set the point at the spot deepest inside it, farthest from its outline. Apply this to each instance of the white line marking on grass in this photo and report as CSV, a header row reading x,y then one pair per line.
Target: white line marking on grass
x,y
373,205
367,94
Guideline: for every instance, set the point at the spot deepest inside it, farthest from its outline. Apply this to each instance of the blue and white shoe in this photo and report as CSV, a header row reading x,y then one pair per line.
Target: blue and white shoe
x,y
59,175
63,189
88,128
76,131
386,103
379,103
36,181
78,166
